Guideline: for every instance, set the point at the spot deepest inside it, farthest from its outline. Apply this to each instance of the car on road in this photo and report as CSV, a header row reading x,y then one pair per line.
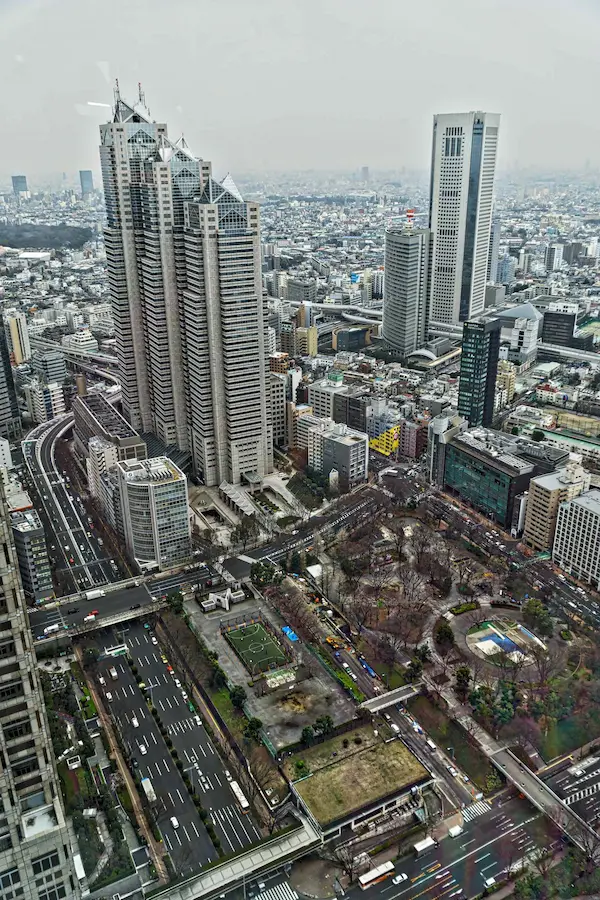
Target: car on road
x,y
109,696
135,606
174,821
198,720
184,696
398,879
164,659
143,749
228,775
177,683
71,612
102,680
135,722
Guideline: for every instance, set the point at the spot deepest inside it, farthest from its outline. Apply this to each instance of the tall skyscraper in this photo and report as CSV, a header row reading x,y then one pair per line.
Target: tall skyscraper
x,y
10,419
460,212
19,183
478,369
86,180
184,264
36,860
406,287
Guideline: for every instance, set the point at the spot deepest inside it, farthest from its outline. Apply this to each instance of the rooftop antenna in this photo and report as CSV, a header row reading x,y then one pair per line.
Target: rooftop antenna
x,y
141,95
117,93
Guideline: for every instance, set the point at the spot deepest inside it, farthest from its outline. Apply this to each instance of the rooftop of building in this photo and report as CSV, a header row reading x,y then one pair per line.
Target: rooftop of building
x,y
523,311
152,471
589,502
510,451
25,521
108,417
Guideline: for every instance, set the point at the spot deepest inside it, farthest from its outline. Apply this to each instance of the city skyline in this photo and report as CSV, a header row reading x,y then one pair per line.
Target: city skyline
x,y
254,119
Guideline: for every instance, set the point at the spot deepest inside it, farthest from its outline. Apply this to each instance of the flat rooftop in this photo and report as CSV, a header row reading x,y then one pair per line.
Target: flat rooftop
x,y
357,776
152,471
111,421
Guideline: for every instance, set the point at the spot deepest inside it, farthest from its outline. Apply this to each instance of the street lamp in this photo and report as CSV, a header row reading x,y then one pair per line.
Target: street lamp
x,y
451,750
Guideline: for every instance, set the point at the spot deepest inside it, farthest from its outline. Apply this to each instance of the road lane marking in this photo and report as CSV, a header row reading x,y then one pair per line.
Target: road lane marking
x,y
472,841
193,824
491,866
160,703
178,838
169,702
158,769
171,798
481,858
153,737
203,750
167,841
179,795
219,782
164,762
186,834
223,829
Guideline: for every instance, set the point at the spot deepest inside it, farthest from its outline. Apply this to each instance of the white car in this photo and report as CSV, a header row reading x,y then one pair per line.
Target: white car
x,y
228,775
135,722
184,695
143,749
174,822
177,683
398,879
198,720
109,696
102,680
154,640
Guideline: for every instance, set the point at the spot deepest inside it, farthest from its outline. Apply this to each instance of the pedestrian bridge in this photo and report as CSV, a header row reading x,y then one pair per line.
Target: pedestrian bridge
x,y
398,695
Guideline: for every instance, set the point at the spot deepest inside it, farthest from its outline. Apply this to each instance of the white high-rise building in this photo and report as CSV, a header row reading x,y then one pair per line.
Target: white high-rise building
x,y
184,264
460,213
577,539
17,336
407,257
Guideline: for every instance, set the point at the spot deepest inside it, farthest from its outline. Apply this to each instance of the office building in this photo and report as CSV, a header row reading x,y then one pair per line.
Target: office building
x,y
460,213
295,436
520,333
17,336
351,408
492,269
301,290
489,470
191,348
86,179
321,394
305,315
278,383
546,493
553,257
558,328
44,401
32,554
506,269
440,431
49,365
577,539
82,341
333,447
36,850
154,506
94,416
10,420
19,185
306,341
102,456
412,440
478,370
407,260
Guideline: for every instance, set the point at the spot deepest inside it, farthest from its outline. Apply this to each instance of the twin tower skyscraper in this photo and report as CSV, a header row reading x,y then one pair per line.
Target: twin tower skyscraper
x,y
184,266
437,276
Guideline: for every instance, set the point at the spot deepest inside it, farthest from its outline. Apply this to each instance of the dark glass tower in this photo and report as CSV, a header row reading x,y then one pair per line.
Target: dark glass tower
x,y
478,369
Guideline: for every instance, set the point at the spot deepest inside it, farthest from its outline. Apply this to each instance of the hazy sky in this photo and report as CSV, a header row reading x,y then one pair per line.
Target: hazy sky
x,y
298,84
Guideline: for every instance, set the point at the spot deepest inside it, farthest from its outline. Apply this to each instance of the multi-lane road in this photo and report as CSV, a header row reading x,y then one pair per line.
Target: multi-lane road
x,y
183,831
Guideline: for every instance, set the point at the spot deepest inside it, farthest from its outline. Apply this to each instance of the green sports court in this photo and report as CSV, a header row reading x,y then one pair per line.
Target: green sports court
x,y
258,650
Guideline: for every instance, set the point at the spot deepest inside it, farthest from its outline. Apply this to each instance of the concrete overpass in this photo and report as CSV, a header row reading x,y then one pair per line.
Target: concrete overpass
x,y
398,695
125,615
543,798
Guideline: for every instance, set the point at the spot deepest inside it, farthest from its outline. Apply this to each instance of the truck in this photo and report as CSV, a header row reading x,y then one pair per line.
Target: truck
x,y
113,673
93,595
148,790
455,831
424,845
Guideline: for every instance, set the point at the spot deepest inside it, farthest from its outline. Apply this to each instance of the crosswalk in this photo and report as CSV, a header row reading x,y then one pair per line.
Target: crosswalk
x,y
281,891
582,794
476,809
182,725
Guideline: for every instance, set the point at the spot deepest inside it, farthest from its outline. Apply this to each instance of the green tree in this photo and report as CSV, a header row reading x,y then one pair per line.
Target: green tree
x,y
537,617
537,435
237,695
514,430
423,653
463,680
252,729
414,669
307,735
323,725
265,573
247,530
444,636
175,601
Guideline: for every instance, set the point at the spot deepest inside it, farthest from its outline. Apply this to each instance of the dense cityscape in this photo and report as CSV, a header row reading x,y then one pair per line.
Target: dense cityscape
x,y
301,526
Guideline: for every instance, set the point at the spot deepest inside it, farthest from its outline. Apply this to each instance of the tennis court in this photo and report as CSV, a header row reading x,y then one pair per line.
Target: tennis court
x,y
257,649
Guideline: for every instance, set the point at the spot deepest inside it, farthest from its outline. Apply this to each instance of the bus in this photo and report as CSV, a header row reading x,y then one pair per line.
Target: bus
x,y
239,796
375,875
117,650
431,745
368,668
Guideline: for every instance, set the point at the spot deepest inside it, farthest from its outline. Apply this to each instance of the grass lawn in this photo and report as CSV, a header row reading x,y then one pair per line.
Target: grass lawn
x,y
570,733
447,733
258,650
392,676
235,720
356,776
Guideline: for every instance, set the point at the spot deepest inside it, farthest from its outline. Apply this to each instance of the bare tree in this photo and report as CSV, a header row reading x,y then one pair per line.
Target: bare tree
x,y
398,536
420,540
343,857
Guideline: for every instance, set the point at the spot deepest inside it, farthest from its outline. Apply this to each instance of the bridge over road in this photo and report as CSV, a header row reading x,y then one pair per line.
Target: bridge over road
x,y
390,698
543,797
